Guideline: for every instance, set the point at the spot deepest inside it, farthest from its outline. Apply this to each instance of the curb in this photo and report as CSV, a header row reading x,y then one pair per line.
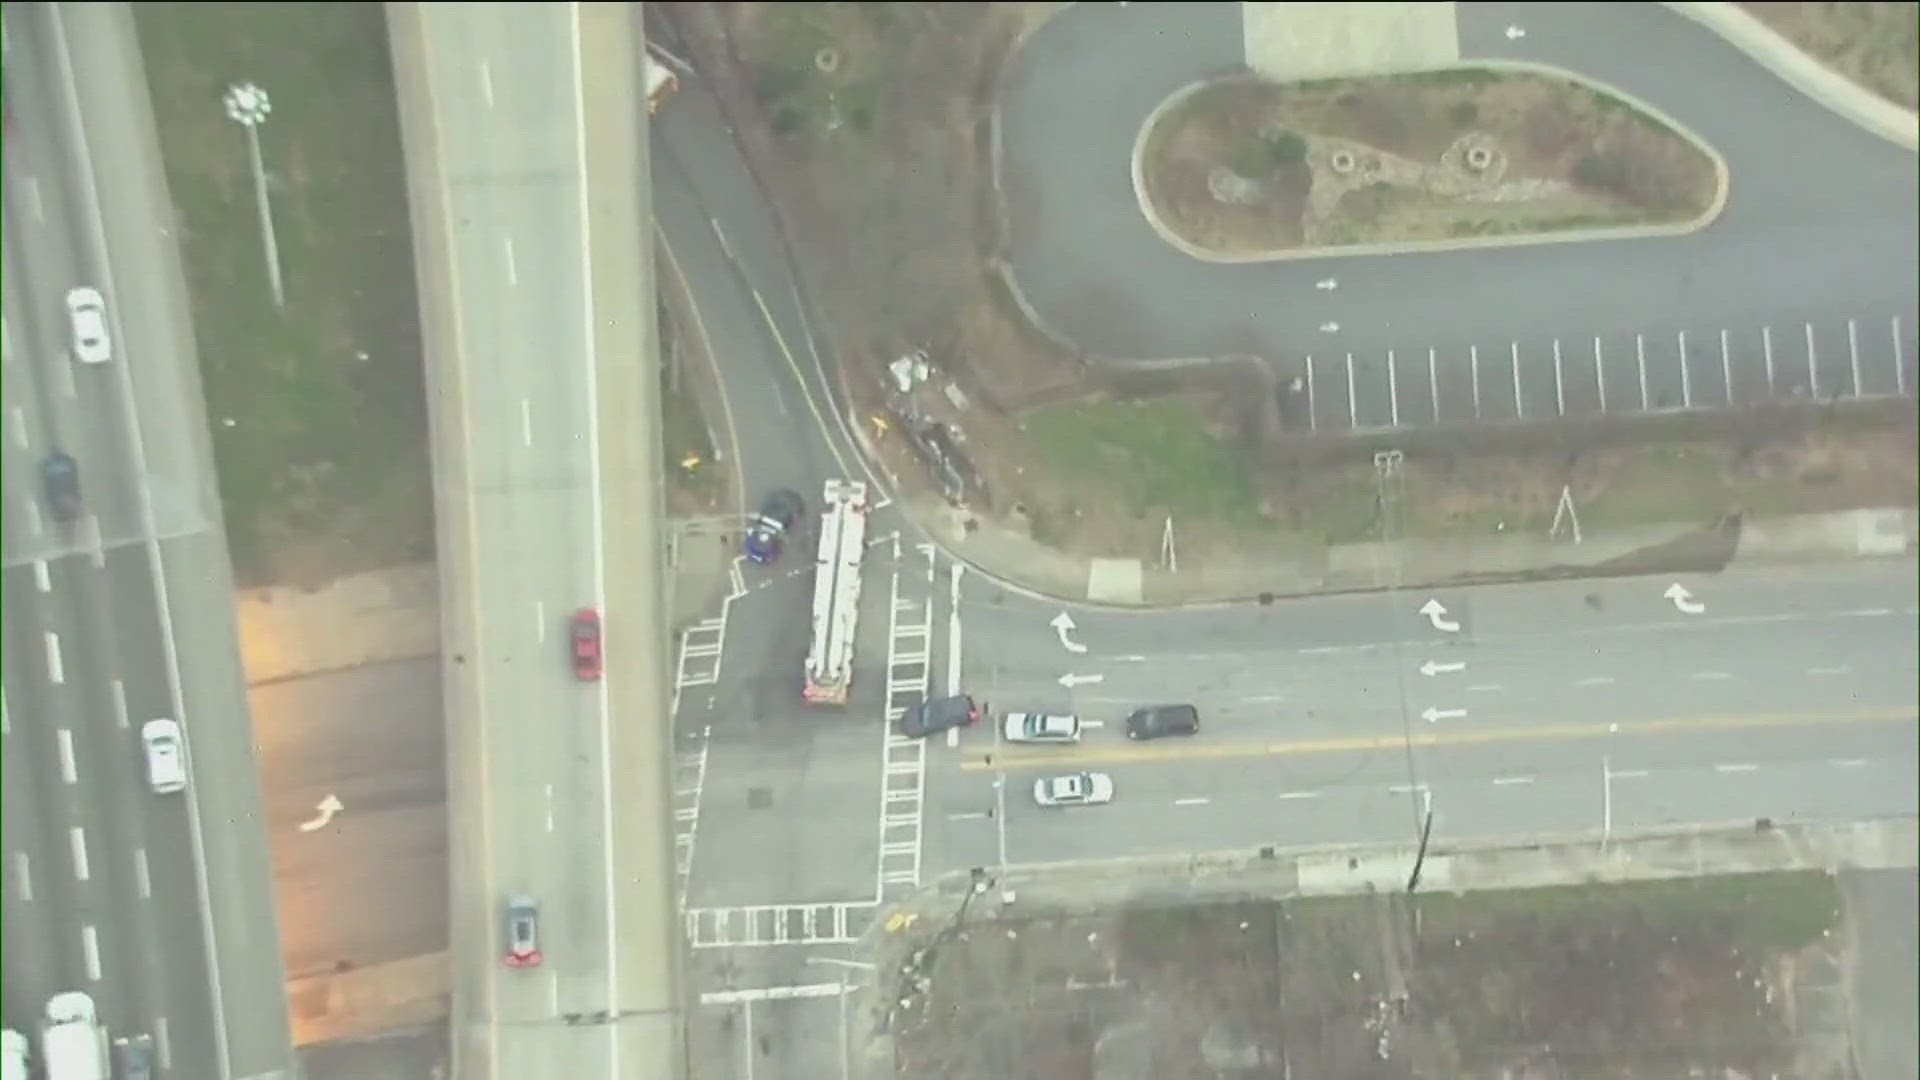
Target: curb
x,y
1414,247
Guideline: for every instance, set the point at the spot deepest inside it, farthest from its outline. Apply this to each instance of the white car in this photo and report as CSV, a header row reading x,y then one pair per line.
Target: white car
x,y
166,756
1031,727
87,315
1074,789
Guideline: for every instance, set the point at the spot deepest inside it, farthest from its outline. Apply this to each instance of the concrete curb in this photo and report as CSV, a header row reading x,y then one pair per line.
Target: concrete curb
x,y
1568,236
1802,71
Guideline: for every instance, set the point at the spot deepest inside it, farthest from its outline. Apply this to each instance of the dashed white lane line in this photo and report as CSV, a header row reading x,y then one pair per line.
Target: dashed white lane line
x,y
526,422
486,83
1505,781
23,873
1191,802
90,948
1711,675
42,577
1596,680
969,816
1131,659
69,770
1485,688
1299,794
540,619
163,1044
1849,763
1737,766
1830,670
120,717
1627,774
77,838
18,425
513,267
1265,698
56,670
140,876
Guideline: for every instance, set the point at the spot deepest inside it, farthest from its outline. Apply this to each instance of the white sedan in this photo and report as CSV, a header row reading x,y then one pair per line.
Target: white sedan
x,y
87,316
1041,727
1074,789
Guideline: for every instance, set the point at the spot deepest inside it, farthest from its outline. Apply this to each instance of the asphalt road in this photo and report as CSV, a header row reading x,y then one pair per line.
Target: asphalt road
x,y
1885,952
1797,285
371,884
164,898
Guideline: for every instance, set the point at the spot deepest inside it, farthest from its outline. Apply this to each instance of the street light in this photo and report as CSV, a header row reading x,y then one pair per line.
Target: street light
x,y
846,1062
248,106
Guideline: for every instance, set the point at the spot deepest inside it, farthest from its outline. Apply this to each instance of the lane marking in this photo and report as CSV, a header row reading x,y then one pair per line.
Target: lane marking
x,y
1507,781
1191,802
32,511
771,993
1437,738
513,268
69,771
1739,766
140,877
1299,794
1849,763
1130,659
1405,789
35,207
163,1043
120,717
540,619
1596,680
77,841
1710,675
1628,774
17,423
90,949
23,873
1265,698
1485,688
549,807
1835,669
42,577
976,815
486,82
56,670
526,422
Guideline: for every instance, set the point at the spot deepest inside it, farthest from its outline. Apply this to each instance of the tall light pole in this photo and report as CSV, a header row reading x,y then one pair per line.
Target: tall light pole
x,y
247,105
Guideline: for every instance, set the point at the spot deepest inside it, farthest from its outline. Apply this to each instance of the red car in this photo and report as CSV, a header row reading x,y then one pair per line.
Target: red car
x,y
583,634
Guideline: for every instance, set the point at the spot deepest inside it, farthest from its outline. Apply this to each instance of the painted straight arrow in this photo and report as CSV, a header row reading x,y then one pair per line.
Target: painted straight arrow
x,y
1063,624
1432,714
1070,681
1433,667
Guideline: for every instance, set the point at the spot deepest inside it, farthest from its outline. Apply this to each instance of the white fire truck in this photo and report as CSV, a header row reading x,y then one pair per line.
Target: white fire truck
x,y
836,591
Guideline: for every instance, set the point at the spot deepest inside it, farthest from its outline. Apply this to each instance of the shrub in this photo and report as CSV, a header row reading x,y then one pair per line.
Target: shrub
x,y
1288,148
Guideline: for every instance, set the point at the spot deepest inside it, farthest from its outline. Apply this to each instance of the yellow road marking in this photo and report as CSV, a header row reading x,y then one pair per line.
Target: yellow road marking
x,y
1196,750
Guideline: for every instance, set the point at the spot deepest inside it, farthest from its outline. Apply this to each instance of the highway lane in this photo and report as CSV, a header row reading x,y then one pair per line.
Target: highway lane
x,y
1776,259
1633,778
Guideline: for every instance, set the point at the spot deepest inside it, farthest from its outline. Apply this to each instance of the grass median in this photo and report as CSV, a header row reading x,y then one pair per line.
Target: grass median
x,y
318,408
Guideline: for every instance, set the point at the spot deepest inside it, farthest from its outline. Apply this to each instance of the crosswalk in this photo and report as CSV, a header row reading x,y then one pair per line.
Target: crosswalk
x,y
777,924
689,780
904,761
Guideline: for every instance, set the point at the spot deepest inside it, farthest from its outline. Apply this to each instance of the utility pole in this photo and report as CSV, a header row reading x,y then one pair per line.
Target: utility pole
x,y
248,106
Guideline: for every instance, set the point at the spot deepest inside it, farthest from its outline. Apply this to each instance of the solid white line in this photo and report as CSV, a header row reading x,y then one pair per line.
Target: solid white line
x,y
1640,358
18,425
1836,669
1473,362
1353,407
1519,406
144,883
69,771
1191,802
120,717
610,880
953,632
1299,795
1813,365
770,993
1559,380
1433,381
1736,767
1508,781
22,872
1599,373
77,841
1686,374
35,206
90,950
56,671
513,268
1393,388
1726,365
526,422
1899,360
42,579
1766,351
486,83
1853,355
1628,774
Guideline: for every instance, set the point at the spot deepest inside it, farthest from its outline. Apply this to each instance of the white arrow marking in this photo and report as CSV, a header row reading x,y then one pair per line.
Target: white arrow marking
x,y
1436,614
1514,33
1326,284
1063,623
328,807
1329,327
1432,714
1683,599
1071,681
1434,668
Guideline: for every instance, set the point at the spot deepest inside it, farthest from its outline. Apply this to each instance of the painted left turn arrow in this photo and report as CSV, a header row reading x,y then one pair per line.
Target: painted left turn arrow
x,y
1063,624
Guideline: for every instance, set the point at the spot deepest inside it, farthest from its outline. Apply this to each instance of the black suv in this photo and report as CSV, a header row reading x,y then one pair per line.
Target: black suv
x,y
1160,721
60,485
938,714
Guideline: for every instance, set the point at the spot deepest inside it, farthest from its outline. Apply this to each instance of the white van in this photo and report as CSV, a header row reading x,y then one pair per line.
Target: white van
x,y
72,1042
13,1055
166,756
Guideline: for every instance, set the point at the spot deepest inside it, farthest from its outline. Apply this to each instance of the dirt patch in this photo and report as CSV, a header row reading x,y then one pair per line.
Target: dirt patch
x,y
1248,166
1682,978
1877,45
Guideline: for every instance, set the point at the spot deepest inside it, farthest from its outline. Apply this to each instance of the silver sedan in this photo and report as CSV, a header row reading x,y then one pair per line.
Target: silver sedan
x,y
1028,727
1074,789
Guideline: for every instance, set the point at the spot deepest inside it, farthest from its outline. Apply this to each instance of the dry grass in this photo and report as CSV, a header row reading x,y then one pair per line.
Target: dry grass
x,y
1608,166
1875,44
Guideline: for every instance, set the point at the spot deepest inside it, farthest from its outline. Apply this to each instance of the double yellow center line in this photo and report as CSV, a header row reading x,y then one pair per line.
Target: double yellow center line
x,y
1203,748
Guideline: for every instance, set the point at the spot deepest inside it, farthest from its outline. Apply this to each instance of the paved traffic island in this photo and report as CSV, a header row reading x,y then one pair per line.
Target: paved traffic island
x,y
1537,960
1248,170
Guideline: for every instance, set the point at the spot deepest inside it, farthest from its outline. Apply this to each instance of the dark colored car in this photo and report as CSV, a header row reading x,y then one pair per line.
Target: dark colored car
x,y
1160,721
60,485
938,714
583,642
133,1058
523,932
767,532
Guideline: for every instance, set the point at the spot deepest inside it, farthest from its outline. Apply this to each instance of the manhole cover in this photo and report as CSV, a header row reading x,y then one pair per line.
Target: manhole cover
x,y
759,798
